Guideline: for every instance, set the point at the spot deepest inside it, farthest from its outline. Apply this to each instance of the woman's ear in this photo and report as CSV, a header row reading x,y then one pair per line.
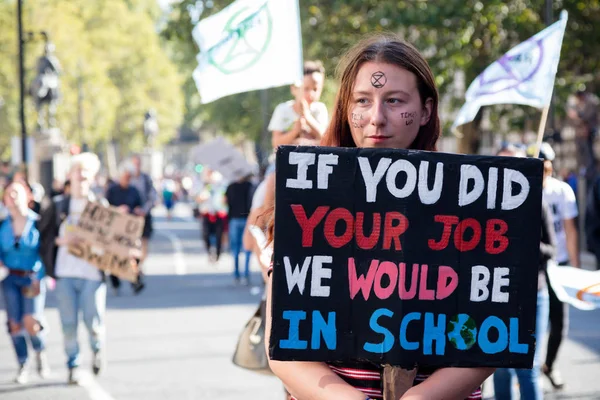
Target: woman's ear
x,y
426,113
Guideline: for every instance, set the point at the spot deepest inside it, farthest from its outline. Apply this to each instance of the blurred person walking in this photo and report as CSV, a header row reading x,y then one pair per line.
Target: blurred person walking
x,y
23,287
169,196
239,199
80,286
562,203
530,387
143,183
212,209
583,110
127,199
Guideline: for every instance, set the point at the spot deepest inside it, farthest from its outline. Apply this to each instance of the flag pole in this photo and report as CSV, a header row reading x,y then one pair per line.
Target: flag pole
x,y
541,129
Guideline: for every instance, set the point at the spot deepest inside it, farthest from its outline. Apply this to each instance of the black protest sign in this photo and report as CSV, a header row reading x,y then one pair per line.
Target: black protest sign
x,y
405,257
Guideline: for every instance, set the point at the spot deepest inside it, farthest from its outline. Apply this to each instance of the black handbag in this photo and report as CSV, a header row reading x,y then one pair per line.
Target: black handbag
x,y
250,351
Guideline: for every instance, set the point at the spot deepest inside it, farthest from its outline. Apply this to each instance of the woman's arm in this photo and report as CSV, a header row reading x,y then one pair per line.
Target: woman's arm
x,y
308,380
449,384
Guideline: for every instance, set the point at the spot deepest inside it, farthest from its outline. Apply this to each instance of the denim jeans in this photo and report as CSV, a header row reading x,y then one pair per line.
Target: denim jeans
x,y
236,233
529,379
74,294
17,306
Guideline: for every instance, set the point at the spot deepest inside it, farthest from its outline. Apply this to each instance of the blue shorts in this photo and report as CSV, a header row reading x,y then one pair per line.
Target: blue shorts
x,y
17,305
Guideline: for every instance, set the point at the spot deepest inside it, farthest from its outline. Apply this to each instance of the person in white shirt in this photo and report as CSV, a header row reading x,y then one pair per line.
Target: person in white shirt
x,y
563,206
79,286
302,120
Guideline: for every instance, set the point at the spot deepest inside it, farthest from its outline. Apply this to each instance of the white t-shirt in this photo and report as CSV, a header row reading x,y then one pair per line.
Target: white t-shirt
x,y
284,115
561,201
259,195
67,265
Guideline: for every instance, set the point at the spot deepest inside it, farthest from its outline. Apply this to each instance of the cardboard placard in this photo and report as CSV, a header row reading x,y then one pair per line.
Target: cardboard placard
x,y
109,240
405,257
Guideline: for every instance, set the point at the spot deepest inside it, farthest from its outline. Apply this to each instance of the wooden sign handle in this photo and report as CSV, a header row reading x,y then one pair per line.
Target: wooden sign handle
x,y
397,381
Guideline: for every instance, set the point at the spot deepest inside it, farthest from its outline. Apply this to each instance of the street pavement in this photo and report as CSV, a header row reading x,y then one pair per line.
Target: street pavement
x,y
175,340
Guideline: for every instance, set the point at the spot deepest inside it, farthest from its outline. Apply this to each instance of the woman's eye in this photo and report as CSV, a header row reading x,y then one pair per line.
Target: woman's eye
x,y
362,100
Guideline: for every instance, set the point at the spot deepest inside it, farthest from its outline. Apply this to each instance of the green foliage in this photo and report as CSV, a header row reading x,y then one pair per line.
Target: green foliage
x,y
110,53
455,35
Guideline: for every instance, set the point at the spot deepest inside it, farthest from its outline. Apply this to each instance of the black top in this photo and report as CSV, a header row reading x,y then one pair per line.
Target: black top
x,y
239,199
547,244
117,195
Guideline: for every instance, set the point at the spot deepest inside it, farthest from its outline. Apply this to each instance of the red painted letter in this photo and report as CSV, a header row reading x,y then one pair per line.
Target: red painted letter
x,y
330,222
404,293
495,240
444,287
459,235
393,232
448,221
360,283
391,270
424,293
308,225
367,243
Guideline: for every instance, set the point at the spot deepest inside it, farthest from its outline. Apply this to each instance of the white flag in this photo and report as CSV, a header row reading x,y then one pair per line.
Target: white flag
x,y
578,287
249,45
525,75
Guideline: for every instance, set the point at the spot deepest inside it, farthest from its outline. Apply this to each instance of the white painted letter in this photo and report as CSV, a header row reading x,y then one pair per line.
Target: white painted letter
x,y
492,187
430,196
324,169
297,277
468,172
319,273
500,280
302,160
510,202
411,178
371,178
480,277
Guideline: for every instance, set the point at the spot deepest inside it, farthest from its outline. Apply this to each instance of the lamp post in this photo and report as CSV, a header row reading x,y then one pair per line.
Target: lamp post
x,y
22,85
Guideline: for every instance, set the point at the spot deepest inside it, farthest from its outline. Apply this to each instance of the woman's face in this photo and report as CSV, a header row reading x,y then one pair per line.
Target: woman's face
x,y
386,109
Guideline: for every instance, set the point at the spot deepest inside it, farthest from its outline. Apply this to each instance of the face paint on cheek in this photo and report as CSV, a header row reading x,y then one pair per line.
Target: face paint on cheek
x,y
378,79
357,120
409,117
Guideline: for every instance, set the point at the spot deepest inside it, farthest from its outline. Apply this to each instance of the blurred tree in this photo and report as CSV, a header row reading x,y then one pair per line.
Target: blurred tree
x,y
111,55
459,38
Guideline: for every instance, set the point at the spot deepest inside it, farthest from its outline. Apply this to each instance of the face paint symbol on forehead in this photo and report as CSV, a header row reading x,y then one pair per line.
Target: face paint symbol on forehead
x,y
378,79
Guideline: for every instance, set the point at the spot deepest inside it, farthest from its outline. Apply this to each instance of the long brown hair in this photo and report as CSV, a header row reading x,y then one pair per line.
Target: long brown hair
x,y
389,49
383,48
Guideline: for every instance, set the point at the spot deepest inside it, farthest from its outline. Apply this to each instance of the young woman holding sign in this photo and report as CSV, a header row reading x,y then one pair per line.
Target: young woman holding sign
x,y
387,99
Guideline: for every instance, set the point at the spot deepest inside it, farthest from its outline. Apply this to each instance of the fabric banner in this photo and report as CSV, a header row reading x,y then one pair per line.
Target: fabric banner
x,y
249,45
578,287
525,75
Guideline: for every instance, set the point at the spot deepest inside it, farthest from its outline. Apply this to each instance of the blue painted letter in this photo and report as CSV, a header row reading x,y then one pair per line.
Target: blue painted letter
x,y
388,341
484,341
433,332
327,329
293,341
513,344
404,343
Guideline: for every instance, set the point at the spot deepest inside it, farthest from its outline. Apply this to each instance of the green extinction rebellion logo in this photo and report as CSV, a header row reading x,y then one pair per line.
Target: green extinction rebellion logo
x,y
247,35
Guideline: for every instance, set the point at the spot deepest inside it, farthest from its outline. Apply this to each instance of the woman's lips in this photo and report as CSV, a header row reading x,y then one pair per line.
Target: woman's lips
x,y
378,138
